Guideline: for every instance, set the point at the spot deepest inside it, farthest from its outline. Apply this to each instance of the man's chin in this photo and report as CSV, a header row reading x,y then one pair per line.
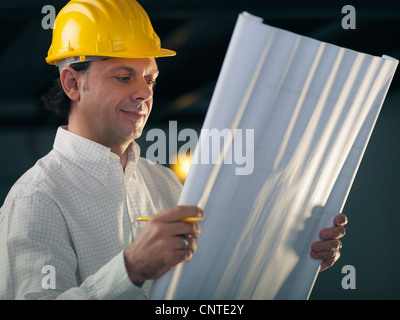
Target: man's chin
x,y
136,134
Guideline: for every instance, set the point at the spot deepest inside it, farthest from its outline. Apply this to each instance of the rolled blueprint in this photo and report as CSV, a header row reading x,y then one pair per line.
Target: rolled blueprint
x,y
302,112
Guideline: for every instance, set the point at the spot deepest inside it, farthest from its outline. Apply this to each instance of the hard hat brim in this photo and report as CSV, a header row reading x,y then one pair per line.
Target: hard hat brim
x,y
150,54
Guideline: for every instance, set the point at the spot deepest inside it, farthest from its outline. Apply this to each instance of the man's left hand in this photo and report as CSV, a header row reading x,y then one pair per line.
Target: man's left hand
x,y
329,248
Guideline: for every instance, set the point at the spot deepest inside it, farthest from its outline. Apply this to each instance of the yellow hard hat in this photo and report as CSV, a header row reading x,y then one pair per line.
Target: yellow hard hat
x,y
108,28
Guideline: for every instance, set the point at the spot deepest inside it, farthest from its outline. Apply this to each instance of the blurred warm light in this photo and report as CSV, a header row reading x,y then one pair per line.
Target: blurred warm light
x,y
182,166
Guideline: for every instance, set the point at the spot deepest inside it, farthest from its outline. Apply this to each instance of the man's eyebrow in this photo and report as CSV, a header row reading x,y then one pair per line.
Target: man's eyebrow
x,y
153,72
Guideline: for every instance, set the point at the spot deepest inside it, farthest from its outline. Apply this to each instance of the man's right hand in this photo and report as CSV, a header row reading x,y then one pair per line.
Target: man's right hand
x,y
160,244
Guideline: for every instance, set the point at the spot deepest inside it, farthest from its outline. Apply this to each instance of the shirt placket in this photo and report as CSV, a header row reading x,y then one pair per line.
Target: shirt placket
x,y
132,206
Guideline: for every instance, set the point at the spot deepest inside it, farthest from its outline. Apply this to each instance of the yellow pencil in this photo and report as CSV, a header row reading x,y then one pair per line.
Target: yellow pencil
x,y
187,219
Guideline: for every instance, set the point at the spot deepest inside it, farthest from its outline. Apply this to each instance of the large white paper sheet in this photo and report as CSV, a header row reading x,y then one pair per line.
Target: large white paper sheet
x,y
311,107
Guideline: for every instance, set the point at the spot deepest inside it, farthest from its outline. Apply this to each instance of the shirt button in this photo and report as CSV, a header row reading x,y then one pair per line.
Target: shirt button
x,y
102,178
112,157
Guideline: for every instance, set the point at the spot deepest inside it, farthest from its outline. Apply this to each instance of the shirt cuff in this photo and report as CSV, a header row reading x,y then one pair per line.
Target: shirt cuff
x,y
112,282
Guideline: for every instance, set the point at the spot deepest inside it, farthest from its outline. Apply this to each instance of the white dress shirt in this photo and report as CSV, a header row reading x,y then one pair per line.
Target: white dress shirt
x,y
76,211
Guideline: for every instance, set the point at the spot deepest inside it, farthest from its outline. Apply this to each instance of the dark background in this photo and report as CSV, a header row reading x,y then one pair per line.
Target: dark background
x,y
200,32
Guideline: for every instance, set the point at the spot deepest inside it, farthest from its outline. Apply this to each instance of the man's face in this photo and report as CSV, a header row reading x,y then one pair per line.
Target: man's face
x,y
116,99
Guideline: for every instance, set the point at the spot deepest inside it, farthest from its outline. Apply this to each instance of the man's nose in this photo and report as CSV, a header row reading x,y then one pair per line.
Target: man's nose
x,y
141,90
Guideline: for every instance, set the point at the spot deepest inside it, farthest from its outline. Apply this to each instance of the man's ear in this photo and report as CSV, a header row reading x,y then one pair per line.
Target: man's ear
x,y
70,82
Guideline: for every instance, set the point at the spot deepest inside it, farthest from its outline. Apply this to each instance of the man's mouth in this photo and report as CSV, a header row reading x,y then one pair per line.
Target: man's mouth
x,y
133,115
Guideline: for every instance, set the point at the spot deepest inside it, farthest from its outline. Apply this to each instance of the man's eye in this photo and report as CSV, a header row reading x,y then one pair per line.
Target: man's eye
x,y
151,83
123,79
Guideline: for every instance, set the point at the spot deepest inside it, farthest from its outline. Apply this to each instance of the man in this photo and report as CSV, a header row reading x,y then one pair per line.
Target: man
x,y
68,227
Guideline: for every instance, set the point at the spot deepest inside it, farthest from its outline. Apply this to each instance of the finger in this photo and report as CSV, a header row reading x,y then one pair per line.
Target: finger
x,y
328,255
326,245
328,258
192,229
340,220
189,245
182,228
174,257
172,250
336,232
177,213
185,252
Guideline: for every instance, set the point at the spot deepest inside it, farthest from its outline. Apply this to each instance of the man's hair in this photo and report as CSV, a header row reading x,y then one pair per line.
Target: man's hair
x,y
56,99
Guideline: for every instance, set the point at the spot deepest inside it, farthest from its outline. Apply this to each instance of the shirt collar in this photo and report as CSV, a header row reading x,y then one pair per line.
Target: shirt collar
x,y
91,156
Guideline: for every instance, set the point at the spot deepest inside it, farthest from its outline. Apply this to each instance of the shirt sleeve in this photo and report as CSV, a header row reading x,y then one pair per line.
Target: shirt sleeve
x,y
37,259
111,282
